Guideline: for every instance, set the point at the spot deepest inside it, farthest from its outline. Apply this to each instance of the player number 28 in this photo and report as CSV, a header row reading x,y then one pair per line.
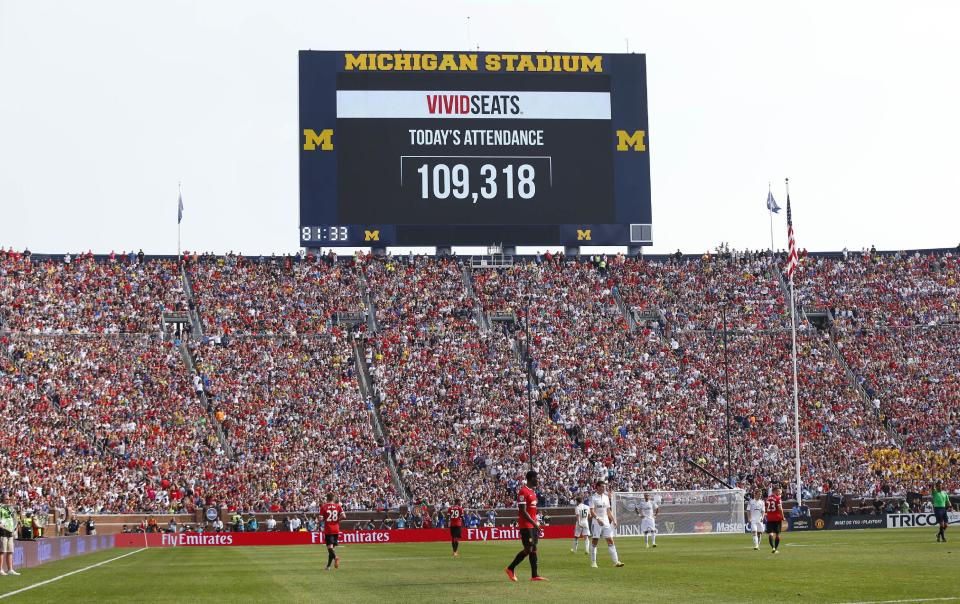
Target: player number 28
x,y
455,180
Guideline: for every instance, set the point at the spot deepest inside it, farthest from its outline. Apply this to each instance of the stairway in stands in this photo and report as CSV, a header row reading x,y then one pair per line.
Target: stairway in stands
x,y
190,363
366,387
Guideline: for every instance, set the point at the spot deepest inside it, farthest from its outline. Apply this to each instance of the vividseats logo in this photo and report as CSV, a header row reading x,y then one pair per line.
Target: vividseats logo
x,y
474,104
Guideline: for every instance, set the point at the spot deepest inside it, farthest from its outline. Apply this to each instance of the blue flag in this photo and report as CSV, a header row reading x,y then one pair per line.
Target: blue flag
x,y
180,208
771,203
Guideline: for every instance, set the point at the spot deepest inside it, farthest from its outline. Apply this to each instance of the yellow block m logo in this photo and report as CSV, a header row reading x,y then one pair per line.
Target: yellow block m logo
x,y
311,139
371,235
635,140
583,235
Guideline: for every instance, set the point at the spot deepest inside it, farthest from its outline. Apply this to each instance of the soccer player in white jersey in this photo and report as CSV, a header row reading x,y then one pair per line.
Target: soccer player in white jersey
x,y
648,510
582,529
755,512
603,524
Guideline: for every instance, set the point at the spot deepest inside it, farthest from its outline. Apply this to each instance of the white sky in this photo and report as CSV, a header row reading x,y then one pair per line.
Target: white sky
x,y
104,106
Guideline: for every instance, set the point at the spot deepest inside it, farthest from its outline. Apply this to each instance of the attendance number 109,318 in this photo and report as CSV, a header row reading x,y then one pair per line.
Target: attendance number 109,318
x,y
441,181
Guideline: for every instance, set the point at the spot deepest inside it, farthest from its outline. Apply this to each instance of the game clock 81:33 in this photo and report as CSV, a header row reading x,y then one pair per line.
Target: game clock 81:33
x,y
467,148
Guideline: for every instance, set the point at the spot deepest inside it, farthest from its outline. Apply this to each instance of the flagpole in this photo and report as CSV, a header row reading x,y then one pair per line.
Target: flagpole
x,y
796,405
770,211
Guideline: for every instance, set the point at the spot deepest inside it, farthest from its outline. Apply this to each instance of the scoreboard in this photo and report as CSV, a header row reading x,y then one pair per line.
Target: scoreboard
x,y
473,148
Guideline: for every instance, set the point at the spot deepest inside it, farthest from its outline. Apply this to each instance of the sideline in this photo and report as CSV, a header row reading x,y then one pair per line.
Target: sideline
x,y
947,599
73,572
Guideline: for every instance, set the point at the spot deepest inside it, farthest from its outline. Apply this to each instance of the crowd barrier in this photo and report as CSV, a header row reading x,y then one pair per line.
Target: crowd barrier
x,y
27,554
869,521
316,537
921,520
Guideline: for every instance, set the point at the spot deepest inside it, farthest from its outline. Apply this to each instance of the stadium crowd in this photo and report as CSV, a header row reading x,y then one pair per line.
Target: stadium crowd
x,y
291,410
626,359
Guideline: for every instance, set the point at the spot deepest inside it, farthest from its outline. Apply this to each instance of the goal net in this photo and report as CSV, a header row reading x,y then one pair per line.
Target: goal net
x,y
683,512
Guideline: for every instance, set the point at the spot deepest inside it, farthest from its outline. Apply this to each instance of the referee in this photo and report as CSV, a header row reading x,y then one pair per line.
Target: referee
x,y
941,502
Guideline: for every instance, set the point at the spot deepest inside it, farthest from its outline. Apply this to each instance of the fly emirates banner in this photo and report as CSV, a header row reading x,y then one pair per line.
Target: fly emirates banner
x,y
316,538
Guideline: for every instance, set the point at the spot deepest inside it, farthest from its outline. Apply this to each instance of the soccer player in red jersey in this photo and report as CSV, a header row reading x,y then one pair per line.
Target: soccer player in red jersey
x,y
332,514
455,513
774,519
529,529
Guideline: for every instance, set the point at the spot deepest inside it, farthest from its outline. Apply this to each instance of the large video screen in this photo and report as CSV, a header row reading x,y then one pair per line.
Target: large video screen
x,y
470,148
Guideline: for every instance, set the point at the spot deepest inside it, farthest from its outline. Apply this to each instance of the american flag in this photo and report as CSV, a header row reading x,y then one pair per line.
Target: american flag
x,y
792,255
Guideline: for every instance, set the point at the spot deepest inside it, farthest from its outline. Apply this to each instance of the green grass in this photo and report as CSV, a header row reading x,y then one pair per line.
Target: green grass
x,y
839,566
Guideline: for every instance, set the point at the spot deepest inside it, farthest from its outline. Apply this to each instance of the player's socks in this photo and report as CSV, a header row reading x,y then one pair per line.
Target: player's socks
x,y
456,546
330,557
533,565
593,554
653,537
517,560
776,543
576,545
613,553
770,539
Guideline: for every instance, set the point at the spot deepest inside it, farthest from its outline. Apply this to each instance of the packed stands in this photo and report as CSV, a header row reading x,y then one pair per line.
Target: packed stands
x,y
280,296
291,410
627,377
77,294
451,395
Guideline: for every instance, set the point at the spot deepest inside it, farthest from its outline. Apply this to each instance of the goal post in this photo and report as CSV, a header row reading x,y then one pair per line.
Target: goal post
x,y
683,512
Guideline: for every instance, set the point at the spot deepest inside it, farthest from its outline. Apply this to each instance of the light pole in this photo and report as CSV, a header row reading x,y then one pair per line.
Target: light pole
x,y
726,386
529,360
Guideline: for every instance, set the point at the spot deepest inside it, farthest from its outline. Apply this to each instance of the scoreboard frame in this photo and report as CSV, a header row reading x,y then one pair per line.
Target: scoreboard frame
x,y
443,148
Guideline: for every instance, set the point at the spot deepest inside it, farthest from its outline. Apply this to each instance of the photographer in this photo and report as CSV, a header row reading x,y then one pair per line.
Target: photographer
x,y
8,528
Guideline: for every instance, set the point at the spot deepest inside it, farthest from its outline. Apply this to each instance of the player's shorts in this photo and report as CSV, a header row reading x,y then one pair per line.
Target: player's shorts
x,y
602,531
756,526
6,545
773,526
940,514
529,537
455,532
648,525
332,539
581,530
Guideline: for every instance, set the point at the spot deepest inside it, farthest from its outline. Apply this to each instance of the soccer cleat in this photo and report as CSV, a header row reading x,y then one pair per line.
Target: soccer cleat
x,y
575,551
326,568
3,573
756,547
456,554
539,579
618,564
510,573
776,551
593,565
648,546
654,545
336,562
13,572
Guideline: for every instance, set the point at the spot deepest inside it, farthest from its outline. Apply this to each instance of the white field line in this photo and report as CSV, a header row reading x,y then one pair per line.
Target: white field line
x,y
73,572
949,599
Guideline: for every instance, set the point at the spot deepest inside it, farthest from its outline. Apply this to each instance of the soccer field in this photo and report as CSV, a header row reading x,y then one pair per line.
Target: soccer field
x,y
839,566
